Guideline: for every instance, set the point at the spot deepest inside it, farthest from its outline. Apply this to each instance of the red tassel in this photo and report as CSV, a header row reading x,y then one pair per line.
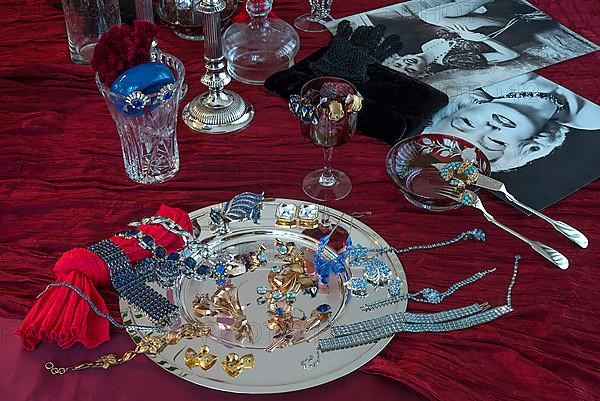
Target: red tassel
x,y
63,317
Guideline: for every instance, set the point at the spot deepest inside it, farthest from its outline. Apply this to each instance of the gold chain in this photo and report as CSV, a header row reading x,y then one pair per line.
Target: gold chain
x,y
150,345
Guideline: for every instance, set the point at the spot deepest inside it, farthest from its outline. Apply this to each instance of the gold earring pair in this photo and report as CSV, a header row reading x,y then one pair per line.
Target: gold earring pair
x,y
233,364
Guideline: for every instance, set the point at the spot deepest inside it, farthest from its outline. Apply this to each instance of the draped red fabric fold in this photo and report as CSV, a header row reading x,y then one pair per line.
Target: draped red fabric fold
x,y
62,316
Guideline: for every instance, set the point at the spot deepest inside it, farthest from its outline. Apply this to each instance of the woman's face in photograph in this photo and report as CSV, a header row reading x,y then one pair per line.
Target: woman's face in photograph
x,y
411,64
498,129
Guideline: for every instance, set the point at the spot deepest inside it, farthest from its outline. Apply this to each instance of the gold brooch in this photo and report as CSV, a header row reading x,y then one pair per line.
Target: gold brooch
x,y
224,304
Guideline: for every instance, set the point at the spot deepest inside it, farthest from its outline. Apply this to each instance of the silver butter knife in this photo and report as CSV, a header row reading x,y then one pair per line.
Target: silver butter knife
x,y
492,184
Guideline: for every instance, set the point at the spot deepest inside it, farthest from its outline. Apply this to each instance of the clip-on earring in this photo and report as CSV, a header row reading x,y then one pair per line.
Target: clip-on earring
x,y
353,103
233,364
308,216
286,215
204,359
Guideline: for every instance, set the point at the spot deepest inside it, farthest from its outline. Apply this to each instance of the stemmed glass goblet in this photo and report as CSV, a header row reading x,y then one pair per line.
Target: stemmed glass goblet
x,y
328,108
320,12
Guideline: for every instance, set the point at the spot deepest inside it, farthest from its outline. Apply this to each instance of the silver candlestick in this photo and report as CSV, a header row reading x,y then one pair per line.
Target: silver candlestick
x,y
218,111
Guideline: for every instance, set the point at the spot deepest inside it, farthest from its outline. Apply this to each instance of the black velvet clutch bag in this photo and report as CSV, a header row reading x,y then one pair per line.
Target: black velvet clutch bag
x,y
394,104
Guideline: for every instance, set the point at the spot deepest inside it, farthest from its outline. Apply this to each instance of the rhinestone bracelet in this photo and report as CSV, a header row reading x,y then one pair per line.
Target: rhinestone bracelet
x,y
390,328
145,241
169,224
161,268
192,247
368,337
132,286
98,312
407,317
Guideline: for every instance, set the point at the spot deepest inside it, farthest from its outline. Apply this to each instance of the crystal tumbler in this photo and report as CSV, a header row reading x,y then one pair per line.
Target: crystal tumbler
x,y
147,126
86,21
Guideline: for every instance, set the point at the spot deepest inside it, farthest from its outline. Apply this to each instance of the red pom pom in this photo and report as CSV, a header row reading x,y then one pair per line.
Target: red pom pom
x,y
121,48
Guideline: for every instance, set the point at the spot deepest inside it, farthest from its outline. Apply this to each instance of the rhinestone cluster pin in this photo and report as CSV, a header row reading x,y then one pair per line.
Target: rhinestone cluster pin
x,y
460,174
242,207
138,100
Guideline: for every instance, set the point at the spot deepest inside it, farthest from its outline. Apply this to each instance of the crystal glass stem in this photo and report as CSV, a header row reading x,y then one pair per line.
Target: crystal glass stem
x,y
144,11
315,12
320,12
327,179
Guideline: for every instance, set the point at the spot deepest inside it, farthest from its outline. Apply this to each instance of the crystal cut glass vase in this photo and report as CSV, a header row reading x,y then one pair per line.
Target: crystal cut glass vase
x,y
148,133
260,48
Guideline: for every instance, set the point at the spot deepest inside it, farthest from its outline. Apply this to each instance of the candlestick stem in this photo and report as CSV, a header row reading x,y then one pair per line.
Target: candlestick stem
x,y
219,110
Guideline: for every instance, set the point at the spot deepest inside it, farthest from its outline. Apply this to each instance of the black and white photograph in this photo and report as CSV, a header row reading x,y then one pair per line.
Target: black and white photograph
x,y
459,45
542,140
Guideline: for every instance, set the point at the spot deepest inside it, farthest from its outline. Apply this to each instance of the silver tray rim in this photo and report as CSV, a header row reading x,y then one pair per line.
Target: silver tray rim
x,y
357,363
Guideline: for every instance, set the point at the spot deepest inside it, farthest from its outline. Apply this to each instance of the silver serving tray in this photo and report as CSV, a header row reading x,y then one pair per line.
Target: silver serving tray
x,y
278,371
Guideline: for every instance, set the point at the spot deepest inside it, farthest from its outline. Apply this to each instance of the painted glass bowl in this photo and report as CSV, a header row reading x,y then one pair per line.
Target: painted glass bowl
x,y
410,165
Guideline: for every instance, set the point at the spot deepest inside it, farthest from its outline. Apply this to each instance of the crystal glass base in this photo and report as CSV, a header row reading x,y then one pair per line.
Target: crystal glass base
x,y
254,68
196,38
82,55
335,189
307,24
430,207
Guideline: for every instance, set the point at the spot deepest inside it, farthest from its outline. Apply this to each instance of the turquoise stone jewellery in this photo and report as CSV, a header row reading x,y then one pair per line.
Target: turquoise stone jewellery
x,y
376,272
358,286
460,173
426,295
373,330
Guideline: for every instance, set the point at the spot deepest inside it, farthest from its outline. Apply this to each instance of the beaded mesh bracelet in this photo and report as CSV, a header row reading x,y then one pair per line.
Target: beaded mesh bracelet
x,y
132,286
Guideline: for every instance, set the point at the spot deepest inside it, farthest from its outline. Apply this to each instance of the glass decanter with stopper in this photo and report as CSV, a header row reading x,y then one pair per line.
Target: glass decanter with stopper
x,y
260,48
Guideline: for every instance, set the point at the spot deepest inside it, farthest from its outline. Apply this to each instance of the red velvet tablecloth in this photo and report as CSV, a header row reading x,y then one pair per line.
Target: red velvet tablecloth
x,y
62,185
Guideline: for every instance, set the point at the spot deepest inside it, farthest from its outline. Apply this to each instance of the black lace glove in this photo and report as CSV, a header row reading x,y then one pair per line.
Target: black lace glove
x,y
350,53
